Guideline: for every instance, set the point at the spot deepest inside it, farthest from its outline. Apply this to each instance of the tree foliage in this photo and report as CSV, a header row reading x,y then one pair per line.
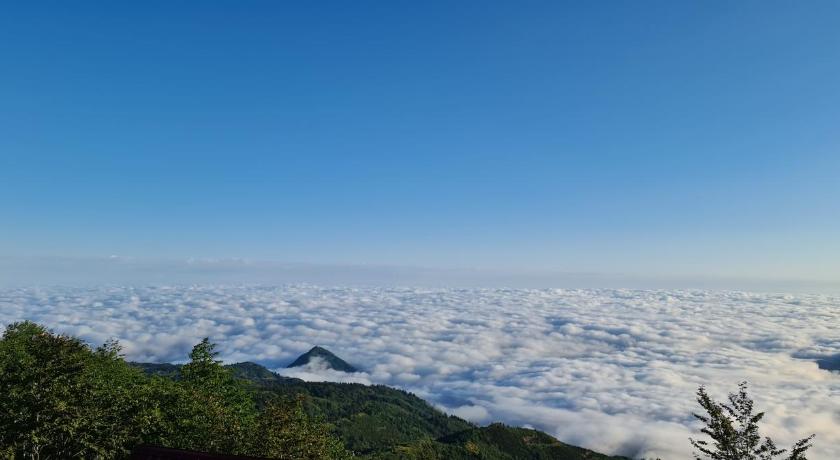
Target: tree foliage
x,y
733,429
63,399
287,432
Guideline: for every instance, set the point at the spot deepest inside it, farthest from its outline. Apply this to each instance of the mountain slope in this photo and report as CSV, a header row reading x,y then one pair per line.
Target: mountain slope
x,y
374,418
379,422
504,442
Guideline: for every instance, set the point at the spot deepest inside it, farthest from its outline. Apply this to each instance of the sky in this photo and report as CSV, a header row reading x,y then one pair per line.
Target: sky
x,y
646,139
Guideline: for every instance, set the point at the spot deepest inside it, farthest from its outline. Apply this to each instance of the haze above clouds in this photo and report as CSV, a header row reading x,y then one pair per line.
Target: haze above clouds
x,y
613,370
97,271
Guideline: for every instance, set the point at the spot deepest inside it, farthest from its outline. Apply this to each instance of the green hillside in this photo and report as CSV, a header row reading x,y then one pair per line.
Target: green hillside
x,y
62,398
498,441
372,419
65,399
380,422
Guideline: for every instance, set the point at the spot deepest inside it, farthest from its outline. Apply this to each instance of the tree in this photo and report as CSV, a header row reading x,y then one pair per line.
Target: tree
x,y
214,411
285,431
63,400
733,427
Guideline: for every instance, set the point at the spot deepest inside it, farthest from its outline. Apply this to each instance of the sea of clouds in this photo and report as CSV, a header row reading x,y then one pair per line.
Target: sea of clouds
x,y
612,370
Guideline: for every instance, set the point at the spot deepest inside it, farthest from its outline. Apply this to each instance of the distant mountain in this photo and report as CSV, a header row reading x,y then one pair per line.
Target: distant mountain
x,y
332,361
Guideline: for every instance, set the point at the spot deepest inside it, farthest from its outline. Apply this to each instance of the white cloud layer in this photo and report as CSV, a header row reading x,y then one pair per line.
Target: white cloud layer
x,y
612,370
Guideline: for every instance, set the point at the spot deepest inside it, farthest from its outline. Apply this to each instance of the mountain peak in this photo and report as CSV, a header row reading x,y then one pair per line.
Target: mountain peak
x,y
332,361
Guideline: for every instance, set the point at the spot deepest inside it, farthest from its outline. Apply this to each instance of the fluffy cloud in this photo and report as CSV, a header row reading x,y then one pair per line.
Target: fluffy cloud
x,y
613,370
317,370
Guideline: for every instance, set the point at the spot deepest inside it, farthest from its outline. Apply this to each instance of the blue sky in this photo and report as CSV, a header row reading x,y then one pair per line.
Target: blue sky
x,y
642,138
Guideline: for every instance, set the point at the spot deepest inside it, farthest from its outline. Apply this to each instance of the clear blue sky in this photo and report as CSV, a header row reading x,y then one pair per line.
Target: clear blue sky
x,y
649,138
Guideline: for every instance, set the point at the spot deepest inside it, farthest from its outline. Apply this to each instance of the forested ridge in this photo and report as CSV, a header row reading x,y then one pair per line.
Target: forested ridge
x,y
65,399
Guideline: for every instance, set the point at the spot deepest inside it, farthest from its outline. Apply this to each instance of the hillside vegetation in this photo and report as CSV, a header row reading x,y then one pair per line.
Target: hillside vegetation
x,y
64,399
379,422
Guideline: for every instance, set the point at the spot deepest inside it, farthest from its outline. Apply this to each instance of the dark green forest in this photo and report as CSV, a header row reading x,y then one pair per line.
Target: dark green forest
x,y
65,399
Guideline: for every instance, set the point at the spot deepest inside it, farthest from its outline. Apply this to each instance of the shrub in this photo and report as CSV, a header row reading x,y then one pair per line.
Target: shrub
x,y
733,429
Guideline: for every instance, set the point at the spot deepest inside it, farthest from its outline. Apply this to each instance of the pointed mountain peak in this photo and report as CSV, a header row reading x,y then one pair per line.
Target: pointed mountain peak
x,y
332,361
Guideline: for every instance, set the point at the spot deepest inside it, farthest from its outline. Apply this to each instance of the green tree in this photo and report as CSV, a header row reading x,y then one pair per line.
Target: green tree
x,y
733,429
285,431
63,400
213,411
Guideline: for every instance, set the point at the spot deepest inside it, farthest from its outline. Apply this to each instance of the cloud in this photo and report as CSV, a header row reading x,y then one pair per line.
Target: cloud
x,y
612,370
318,370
